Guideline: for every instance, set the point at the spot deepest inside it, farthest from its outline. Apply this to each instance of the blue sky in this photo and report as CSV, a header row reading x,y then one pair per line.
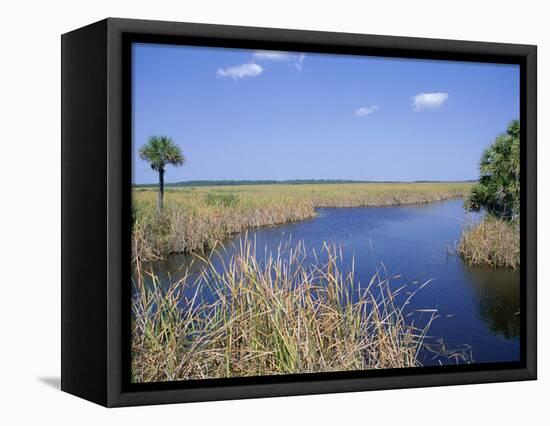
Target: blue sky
x,y
243,114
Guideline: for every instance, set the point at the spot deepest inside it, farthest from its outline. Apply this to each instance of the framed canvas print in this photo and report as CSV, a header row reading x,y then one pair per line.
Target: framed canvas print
x,y
253,212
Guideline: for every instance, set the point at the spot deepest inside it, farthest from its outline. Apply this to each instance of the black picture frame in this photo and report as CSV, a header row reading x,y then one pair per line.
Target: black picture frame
x,y
96,171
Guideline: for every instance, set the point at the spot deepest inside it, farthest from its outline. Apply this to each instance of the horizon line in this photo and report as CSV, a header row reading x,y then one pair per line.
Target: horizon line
x,y
204,182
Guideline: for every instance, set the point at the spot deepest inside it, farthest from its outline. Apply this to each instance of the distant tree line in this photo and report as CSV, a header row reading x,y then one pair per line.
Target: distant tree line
x,y
272,182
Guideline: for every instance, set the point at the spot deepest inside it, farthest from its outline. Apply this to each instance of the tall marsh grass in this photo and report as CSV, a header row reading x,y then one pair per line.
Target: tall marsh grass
x,y
494,242
195,218
276,314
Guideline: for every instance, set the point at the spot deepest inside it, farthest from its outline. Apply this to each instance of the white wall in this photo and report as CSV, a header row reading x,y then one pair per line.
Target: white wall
x,y
30,224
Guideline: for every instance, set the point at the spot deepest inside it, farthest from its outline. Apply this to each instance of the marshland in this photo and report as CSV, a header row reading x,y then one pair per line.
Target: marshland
x,y
195,218
310,278
303,213
278,314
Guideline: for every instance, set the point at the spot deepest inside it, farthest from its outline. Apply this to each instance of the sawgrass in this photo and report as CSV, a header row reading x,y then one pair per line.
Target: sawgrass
x,y
278,314
494,242
195,218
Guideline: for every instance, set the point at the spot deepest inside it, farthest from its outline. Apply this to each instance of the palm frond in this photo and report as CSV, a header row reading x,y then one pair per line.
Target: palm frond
x,y
499,184
160,151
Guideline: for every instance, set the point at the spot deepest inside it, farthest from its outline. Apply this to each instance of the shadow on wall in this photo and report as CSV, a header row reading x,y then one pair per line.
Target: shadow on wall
x,y
54,382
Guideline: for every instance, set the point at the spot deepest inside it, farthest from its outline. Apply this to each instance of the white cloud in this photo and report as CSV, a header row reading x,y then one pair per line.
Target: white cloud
x,y
424,101
241,71
299,63
366,110
296,59
271,55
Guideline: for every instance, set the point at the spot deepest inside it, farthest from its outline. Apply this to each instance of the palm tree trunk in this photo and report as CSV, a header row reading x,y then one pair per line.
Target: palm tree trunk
x,y
160,197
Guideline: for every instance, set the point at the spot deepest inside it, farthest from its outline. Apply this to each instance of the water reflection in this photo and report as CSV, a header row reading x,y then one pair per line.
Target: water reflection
x,y
496,293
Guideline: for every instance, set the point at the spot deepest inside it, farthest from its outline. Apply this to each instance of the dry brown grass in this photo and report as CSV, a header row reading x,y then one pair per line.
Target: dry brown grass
x,y
195,218
491,242
275,315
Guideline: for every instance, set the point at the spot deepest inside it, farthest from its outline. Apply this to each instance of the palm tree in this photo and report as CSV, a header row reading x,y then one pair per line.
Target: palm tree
x,y
160,151
498,188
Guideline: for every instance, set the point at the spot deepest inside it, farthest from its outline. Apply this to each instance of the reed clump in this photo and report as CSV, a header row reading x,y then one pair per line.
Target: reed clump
x,y
494,242
276,314
194,218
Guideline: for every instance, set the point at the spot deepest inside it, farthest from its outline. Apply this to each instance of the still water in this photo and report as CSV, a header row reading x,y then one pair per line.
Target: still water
x,y
477,307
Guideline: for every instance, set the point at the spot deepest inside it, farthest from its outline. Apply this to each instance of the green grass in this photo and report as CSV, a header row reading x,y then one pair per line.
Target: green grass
x,y
195,218
275,315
